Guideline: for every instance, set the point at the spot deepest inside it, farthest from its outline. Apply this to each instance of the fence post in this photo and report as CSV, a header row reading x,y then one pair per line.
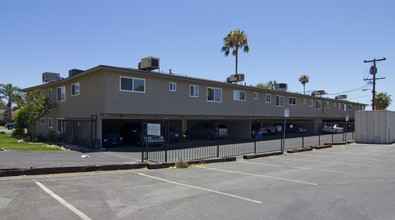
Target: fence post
x,y
332,134
217,136
165,155
255,134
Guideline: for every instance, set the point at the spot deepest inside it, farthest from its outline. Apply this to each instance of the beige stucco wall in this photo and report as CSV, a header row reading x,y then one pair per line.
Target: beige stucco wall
x,y
376,127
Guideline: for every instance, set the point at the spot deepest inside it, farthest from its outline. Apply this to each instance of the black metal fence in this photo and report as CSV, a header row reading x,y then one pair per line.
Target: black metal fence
x,y
201,139
80,131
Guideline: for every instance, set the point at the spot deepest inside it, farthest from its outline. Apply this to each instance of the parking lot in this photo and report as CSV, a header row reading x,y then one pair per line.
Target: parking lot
x,y
355,181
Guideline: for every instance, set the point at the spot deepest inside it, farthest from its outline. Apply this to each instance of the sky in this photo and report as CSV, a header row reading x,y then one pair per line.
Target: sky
x,y
328,40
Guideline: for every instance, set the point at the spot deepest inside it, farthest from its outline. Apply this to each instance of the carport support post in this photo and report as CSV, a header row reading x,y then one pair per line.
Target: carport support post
x,y
255,134
217,136
283,145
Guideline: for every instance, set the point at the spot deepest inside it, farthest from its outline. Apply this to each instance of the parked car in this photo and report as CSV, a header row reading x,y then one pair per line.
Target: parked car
x,y
173,135
207,130
10,126
332,129
112,139
295,129
131,133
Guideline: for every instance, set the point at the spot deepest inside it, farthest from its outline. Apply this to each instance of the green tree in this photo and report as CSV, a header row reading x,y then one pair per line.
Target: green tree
x,y
35,107
9,92
3,105
269,85
303,80
235,40
382,100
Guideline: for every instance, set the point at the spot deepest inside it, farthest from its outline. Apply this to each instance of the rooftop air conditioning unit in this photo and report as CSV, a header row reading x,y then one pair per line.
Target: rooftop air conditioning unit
x,y
281,87
74,72
235,78
50,77
318,92
341,97
149,63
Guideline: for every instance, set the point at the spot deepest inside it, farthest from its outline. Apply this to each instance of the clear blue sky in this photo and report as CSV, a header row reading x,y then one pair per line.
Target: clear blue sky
x,y
324,39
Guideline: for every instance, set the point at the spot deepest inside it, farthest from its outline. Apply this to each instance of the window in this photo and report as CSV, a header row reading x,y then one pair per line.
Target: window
x,y
42,121
311,103
334,105
129,84
344,107
340,106
75,89
49,93
268,98
50,123
214,94
292,101
318,104
326,104
350,107
59,124
279,101
61,94
304,101
255,95
172,86
193,91
239,95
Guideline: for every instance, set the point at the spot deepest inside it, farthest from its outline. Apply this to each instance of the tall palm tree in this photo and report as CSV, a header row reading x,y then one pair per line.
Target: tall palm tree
x,y
235,40
382,100
303,80
9,92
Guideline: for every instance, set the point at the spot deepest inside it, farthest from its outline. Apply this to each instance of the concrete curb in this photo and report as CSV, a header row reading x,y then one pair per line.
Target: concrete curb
x,y
92,168
318,147
297,150
336,143
247,157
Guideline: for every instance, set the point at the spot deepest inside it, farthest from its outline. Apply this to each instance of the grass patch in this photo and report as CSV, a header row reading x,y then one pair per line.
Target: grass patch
x,y
10,143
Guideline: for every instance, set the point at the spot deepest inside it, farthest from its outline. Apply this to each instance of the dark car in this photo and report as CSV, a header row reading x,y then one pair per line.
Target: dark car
x,y
112,139
10,126
173,135
131,133
207,130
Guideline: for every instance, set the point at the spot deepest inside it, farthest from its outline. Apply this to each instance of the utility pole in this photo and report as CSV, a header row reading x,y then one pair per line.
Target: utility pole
x,y
373,71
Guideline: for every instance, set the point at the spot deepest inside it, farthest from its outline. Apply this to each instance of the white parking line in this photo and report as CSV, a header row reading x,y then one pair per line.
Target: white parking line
x,y
352,164
200,188
348,158
259,175
63,202
122,156
300,168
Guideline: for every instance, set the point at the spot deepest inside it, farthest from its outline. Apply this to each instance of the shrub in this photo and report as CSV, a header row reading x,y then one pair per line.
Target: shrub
x,y
52,136
182,164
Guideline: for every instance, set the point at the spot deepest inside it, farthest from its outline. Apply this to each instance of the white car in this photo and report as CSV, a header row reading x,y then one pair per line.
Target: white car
x,y
335,129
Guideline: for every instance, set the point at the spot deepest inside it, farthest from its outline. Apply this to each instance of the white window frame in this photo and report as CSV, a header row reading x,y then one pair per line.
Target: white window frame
x,y
195,89
132,89
76,91
50,94
344,107
326,104
268,96
255,95
172,86
311,103
237,95
291,98
215,89
50,123
304,101
42,121
318,104
340,105
63,94
279,104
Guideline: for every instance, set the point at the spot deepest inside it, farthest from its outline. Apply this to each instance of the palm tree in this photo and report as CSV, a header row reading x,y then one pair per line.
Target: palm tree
x,y
269,85
235,39
382,100
9,92
303,80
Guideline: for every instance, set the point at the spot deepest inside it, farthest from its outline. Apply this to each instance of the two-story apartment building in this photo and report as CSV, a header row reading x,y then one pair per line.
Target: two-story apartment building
x,y
115,96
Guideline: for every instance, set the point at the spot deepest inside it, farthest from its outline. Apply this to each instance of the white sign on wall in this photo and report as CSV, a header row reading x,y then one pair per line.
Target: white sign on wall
x,y
153,129
286,112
